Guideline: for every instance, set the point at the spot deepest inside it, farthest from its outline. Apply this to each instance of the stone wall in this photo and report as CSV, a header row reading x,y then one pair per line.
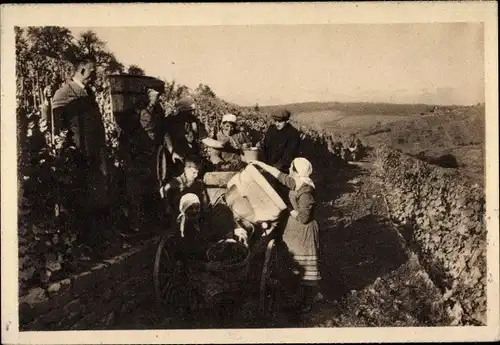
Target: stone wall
x,y
444,213
92,299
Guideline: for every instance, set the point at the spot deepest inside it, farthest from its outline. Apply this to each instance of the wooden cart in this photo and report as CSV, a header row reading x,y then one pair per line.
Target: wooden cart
x,y
170,276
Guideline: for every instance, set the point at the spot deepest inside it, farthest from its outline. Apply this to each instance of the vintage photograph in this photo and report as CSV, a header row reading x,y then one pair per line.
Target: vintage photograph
x,y
269,176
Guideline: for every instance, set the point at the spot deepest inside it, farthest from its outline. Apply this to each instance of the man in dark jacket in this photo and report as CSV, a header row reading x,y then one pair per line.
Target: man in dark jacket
x,y
144,140
78,121
281,142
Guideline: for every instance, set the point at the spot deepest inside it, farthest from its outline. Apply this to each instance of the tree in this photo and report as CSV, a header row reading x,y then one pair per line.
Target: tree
x,y
205,90
256,108
51,41
90,44
135,70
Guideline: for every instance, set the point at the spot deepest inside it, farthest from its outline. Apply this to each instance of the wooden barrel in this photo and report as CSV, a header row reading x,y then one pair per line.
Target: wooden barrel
x,y
127,90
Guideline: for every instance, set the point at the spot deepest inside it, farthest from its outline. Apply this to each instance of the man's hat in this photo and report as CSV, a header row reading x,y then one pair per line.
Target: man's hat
x,y
281,115
229,118
185,104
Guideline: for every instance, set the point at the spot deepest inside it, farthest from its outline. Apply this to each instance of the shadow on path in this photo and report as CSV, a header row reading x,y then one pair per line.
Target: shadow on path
x,y
353,257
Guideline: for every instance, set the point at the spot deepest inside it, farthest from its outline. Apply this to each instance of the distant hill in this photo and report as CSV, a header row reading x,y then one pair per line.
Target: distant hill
x,y
416,129
353,108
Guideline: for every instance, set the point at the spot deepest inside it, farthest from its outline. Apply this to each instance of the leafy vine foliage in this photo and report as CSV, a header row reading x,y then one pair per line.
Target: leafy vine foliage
x,y
47,235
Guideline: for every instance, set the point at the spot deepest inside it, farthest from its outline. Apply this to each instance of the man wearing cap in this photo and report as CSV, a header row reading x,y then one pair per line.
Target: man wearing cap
x,y
231,139
281,142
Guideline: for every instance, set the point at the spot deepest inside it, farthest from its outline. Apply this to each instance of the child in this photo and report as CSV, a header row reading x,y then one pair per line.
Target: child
x,y
187,182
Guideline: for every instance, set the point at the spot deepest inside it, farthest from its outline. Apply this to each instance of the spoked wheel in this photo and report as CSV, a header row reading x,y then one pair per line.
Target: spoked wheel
x,y
170,278
269,285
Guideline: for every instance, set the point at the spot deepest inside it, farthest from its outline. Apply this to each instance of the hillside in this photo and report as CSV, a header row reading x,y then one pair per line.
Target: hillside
x,y
358,108
424,130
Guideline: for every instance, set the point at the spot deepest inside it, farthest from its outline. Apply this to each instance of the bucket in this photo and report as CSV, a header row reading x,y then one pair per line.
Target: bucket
x,y
253,198
251,154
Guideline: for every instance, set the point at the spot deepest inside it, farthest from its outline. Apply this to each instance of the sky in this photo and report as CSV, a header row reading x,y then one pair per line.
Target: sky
x,y
430,63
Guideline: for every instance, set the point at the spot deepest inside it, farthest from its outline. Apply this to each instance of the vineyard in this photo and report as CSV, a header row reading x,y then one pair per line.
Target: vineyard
x,y
49,245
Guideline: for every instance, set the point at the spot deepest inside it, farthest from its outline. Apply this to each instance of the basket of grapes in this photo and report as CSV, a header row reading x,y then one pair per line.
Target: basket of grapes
x,y
228,259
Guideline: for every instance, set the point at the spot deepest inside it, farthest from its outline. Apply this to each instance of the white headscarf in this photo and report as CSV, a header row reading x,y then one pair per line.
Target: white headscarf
x,y
303,170
187,200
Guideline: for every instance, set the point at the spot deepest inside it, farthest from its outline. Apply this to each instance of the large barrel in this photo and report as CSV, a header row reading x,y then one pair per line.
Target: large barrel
x,y
126,93
127,90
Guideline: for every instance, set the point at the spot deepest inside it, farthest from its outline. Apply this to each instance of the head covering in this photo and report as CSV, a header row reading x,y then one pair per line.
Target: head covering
x,y
281,115
229,118
185,104
303,169
187,200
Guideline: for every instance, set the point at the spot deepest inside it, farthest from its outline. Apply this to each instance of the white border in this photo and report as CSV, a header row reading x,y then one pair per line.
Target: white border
x,y
72,15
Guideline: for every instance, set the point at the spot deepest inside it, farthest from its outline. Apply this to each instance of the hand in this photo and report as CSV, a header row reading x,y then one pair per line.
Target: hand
x,y
255,162
294,213
176,156
242,236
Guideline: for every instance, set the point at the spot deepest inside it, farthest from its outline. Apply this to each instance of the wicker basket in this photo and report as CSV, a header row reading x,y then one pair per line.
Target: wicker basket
x,y
231,272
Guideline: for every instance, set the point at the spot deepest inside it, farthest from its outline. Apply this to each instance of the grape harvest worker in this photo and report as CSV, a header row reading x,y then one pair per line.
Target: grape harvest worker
x,y
193,238
144,138
187,182
281,142
232,140
183,131
301,229
78,122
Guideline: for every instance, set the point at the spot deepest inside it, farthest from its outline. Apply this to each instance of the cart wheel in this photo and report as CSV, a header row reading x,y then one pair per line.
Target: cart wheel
x,y
161,164
268,290
170,280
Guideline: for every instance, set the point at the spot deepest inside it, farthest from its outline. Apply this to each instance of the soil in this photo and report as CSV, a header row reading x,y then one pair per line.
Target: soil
x,y
370,277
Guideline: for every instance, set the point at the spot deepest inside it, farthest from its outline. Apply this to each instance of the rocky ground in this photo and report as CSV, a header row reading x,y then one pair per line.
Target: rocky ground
x,y
370,277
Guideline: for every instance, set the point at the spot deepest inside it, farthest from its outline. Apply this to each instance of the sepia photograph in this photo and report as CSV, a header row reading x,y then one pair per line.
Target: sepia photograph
x,y
185,172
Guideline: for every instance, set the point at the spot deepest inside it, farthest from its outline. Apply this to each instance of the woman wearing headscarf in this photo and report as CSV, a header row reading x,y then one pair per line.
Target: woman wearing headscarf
x,y
193,240
301,229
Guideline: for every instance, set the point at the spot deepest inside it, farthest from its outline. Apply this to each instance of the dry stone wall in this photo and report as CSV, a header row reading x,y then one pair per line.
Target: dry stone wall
x,y
446,215
92,299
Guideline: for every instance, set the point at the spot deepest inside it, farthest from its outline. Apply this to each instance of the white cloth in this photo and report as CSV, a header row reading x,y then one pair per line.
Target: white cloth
x,y
187,200
229,118
303,170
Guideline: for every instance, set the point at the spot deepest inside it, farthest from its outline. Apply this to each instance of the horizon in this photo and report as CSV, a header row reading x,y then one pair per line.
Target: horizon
x,y
363,102
286,64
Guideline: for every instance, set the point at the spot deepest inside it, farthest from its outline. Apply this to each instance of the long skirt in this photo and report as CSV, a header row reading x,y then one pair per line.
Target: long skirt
x,y
303,245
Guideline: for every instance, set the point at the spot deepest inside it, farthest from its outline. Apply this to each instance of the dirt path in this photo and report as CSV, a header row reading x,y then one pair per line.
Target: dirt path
x,y
369,275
